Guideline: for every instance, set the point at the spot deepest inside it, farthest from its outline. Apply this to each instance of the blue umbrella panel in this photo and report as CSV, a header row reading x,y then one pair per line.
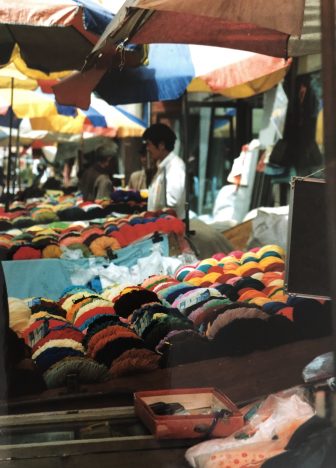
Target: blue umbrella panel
x,y
166,77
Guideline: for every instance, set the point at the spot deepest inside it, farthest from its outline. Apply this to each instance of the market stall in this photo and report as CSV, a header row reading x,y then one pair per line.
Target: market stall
x,y
225,306
65,253
225,321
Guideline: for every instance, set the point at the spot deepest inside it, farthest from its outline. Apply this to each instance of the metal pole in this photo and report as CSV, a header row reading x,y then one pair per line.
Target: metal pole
x,y
18,155
205,131
9,161
16,159
4,336
329,122
185,124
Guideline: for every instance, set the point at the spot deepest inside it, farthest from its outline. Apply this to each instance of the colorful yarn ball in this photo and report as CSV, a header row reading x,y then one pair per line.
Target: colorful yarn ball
x,y
87,371
19,314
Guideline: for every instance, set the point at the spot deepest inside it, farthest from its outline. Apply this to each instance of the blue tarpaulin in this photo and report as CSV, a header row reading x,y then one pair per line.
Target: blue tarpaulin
x,y
52,276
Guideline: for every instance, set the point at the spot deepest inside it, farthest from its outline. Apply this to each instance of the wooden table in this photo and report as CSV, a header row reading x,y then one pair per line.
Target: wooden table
x,y
242,379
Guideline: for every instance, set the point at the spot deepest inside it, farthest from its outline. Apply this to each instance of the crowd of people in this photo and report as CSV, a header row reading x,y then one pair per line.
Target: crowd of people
x,y
162,173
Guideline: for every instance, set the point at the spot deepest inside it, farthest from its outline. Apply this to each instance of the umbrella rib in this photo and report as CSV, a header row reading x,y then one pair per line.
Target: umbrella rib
x,y
96,53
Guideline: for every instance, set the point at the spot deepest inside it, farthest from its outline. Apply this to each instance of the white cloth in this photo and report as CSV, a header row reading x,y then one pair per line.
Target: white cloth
x,y
168,186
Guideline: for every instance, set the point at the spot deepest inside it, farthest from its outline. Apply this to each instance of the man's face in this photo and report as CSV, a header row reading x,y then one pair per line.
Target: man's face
x,y
105,163
143,160
156,152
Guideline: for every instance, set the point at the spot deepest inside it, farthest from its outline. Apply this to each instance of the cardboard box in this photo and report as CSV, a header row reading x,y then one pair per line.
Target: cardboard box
x,y
239,235
206,412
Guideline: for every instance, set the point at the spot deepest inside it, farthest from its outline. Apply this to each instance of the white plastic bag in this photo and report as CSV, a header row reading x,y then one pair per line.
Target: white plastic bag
x,y
276,412
268,228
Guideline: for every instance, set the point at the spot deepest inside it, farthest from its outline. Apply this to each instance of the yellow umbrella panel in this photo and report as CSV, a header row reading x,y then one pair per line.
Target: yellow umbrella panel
x,y
11,76
44,114
59,123
100,119
27,103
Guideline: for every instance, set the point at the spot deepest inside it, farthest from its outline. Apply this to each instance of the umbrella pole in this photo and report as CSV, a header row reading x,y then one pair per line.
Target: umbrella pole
x,y
9,161
81,152
185,126
16,159
19,157
329,123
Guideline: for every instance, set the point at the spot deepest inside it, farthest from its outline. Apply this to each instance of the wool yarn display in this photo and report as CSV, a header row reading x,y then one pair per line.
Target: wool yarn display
x,y
131,299
134,361
100,238
238,313
89,308
228,305
38,326
41,304
55,350
85,369
182,347
154,321
19,314
52,339
243,280
111,342
98,323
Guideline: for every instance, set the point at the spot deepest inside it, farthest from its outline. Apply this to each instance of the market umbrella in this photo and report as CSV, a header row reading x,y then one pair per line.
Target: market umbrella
x,y
56,122
254,25
10,76
175,68
134,22
171,69
27,103
16,104
39,138
280,29
49,36
26,136
17,94
241,75
168,72
44,113
100,119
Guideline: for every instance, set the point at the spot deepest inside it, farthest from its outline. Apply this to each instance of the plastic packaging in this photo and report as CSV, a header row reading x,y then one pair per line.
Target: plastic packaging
x,y
266,434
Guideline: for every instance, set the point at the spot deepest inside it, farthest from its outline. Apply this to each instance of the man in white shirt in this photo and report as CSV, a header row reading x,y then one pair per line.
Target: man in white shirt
x,y
168,185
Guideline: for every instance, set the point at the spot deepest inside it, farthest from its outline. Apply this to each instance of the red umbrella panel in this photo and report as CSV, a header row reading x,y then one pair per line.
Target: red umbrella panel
x,y
254,25
269,28
46,38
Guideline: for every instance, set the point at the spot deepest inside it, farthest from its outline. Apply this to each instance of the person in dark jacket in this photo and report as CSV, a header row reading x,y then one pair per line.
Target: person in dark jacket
x,y
95,183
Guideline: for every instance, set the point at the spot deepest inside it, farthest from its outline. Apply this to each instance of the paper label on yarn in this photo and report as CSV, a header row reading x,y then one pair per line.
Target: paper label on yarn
x,y
39,333
33,301
193,300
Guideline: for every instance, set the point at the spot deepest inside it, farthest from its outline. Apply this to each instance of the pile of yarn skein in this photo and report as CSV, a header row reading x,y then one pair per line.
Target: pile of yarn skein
x,y
227,305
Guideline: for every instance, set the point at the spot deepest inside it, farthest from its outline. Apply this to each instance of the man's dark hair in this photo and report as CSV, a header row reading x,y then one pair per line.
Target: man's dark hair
x,y
160,133
142,151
